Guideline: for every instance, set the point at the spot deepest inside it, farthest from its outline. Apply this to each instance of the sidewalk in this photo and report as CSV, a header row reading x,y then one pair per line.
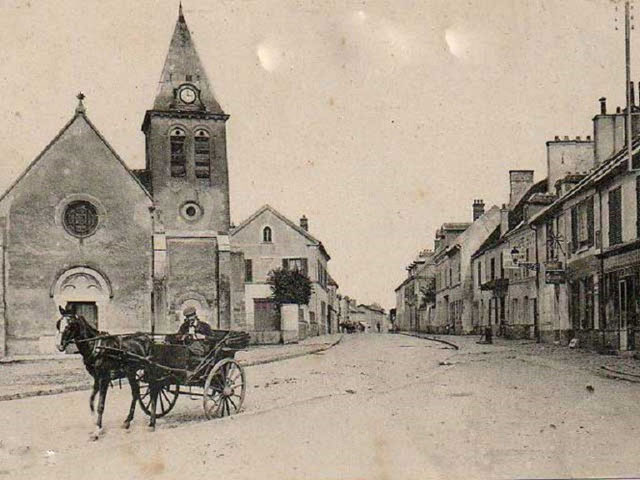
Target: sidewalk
x,y
620,367
34,375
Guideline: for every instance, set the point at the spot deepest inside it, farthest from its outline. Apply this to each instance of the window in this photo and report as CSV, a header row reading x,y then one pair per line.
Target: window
x,y
80,218
248,270
178,153
582,229
493,269
322,274
266,235
299,264
479,273
551,241
615,216
202,154
191,211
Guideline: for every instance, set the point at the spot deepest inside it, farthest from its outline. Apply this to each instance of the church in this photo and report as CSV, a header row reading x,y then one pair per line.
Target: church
x,y
128,249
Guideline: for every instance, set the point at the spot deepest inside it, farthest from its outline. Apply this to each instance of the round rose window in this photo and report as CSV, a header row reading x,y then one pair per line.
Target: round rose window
x,y
80,218
191,211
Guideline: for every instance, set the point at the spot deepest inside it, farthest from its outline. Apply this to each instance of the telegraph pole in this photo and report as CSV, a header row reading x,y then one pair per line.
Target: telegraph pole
x,y
627,54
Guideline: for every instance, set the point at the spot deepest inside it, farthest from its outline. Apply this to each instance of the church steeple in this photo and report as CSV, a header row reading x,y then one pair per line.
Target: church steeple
x,y
183,83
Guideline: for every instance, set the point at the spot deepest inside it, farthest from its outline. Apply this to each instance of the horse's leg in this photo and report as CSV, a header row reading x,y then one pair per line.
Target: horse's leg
x,y
92,398
135,394
154,397
104,385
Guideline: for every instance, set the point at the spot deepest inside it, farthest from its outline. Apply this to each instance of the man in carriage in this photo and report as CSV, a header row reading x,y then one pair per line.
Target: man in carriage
x,y
193,326
195,331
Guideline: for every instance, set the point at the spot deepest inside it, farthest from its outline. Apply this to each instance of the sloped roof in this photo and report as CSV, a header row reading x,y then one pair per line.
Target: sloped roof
x,y
182,60
291,224
80,114
492,240
516,215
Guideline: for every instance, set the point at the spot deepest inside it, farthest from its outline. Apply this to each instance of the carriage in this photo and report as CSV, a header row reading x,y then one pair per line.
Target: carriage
x,y
179,365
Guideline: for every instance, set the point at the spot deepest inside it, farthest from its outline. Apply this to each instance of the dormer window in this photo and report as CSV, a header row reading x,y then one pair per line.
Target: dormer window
x,y
202,154
178,152
266,235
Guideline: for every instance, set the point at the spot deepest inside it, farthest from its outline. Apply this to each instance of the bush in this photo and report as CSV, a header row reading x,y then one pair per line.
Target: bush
x,y
289,286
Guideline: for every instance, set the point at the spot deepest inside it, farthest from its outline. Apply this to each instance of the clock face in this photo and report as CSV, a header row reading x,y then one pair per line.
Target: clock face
x,y
187,95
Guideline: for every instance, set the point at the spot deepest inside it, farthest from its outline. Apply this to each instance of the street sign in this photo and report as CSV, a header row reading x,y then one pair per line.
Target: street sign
x,y
554,277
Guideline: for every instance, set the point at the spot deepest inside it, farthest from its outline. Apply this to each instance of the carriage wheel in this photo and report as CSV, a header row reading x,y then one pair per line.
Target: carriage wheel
x,y
167,397
224,389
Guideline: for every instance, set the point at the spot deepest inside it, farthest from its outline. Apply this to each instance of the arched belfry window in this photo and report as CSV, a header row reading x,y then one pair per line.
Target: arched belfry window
x,y
203,154
266,235
177,137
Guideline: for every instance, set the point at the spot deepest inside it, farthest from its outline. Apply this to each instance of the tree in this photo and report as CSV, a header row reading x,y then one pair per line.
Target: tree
x,y
289,286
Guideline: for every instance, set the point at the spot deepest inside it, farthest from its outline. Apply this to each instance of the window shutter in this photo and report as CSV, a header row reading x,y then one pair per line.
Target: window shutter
x,y
574,229
285,264
590,226
615,220
305,267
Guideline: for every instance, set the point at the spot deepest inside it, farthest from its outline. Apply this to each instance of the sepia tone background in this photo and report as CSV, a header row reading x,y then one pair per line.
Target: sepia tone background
x,y
379,120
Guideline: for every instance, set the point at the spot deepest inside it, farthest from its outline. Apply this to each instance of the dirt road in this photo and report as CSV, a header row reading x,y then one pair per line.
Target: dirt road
x,y
374,407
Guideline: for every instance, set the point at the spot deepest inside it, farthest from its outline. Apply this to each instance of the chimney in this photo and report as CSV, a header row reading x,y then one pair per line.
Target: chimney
x,y
504,220
520,181
603,105
478,209
304,223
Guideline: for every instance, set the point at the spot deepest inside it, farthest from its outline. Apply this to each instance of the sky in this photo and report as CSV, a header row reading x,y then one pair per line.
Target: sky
x,y
378,120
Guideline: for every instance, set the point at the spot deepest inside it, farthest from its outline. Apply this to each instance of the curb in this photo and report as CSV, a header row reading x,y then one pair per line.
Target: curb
x,y
293,355
79,388
433,339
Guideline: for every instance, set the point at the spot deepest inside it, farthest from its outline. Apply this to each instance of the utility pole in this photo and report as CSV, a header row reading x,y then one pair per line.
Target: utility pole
x,y
627,52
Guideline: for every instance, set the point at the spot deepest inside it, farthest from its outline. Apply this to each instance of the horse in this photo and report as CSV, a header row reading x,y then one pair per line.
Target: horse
x,y
103,360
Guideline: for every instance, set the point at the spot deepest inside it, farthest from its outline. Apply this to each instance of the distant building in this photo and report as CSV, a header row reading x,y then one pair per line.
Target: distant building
x,y
375,318
454,281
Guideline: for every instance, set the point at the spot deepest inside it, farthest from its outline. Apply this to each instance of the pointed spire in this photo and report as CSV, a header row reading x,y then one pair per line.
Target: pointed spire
x,y
182,65
80,108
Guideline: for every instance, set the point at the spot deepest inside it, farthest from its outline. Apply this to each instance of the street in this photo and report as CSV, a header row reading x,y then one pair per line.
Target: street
x,y
372,407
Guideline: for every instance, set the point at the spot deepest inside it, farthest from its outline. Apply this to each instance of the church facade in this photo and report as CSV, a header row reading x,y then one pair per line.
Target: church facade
x,y
127,249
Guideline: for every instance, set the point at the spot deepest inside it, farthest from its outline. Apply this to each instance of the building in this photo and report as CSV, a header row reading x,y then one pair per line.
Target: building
x,y
411,307
375,318
126,249
269,241
504,267
454,281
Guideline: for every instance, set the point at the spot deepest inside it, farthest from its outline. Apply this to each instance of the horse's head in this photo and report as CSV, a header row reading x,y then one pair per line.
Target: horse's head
x,y
68,327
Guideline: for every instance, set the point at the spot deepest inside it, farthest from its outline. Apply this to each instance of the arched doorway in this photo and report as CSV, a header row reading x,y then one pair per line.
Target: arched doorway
x,y
206,312
84,290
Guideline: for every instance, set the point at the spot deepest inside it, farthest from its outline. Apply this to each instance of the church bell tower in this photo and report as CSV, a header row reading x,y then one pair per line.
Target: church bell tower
x,y
186,167
186,153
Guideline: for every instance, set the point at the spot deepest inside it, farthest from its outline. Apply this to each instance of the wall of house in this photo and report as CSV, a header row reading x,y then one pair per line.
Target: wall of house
x,y
629,228
267,256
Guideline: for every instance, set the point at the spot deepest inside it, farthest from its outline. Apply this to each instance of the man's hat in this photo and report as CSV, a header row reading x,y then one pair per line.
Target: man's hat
x,y
189,311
